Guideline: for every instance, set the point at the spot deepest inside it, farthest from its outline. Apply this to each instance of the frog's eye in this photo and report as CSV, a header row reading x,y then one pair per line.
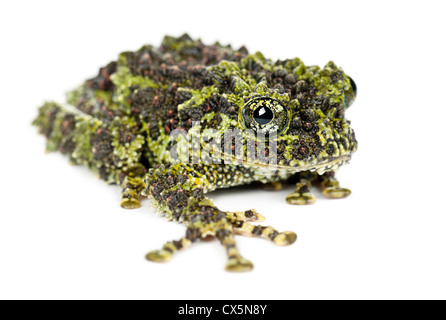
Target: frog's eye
x,y
350,95
265,115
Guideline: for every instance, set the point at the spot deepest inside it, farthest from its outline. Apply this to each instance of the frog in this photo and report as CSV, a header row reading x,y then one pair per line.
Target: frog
x,y
177,121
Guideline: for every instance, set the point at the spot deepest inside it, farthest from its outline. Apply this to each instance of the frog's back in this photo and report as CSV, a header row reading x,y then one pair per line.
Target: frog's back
x,y
145,83
121,118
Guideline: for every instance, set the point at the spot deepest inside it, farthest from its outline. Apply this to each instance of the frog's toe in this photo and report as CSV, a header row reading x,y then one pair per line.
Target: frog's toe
x,y
336,192
297,198
285,238
331,188
302,195
248,215
253,215
239,265
165,254
159,256
273,186
130,203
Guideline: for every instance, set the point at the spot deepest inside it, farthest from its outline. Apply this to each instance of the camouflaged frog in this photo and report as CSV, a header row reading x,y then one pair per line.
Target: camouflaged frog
x,y
286,123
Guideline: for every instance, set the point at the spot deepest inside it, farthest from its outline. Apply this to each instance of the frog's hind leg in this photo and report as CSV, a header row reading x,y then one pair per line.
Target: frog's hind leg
x,y
303,195
331,188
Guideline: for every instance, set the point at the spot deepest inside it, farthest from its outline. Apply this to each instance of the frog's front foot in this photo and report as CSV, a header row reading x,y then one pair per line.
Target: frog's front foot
x,y
239,265
130,203
224,226
131,191
302,195
182,199
327,182
285,238
330,187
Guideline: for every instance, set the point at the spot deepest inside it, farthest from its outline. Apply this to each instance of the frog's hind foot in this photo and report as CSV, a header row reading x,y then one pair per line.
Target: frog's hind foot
x,y
223,226
248,215
272,186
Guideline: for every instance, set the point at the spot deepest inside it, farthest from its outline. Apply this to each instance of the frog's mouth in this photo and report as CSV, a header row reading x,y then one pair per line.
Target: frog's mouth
x,y
315,165
275,161
320,167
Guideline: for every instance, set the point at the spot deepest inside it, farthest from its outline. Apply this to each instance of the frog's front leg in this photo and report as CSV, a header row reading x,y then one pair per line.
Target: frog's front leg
x,y
178,192
273,186
303,194
132,186
330,186
205,221
327,182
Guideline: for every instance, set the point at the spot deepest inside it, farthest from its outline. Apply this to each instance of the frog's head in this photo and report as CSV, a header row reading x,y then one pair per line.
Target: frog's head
x,y
288,116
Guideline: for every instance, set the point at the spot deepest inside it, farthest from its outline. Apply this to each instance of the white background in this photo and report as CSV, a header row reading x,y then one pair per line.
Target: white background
x,y
63,234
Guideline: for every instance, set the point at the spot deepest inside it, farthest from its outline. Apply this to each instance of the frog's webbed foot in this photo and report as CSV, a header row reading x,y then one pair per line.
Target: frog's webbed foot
x,y
223,227
236,263
327,182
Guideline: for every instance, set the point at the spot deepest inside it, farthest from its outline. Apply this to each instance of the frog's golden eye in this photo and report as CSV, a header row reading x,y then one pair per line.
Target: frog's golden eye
x,y
265,115
350,94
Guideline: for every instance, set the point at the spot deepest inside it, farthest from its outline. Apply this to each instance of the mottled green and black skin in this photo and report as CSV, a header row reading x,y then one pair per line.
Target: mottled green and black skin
x,y
119,124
